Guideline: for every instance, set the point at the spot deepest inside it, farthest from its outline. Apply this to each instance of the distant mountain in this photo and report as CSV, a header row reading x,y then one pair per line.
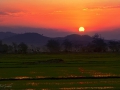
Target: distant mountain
x,y
76,39
28,38
79,39
108,33
40,40
45,31
6,35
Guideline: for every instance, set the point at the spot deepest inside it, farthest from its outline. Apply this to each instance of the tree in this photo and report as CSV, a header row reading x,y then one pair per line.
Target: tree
x,y
114,45
0,46
22,48
90,47
98,44
67,45
10,48
77,47
15,47
3,47
0,42
53,46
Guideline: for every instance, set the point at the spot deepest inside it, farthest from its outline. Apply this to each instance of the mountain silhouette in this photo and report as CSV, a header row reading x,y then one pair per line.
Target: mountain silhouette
x,y
6,34
40,40
28,38
78,37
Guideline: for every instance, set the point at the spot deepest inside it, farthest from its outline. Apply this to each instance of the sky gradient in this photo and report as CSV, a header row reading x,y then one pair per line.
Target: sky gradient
x,y
69,15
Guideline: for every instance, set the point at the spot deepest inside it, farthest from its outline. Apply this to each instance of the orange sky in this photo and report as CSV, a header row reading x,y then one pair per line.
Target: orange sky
x,y
61,14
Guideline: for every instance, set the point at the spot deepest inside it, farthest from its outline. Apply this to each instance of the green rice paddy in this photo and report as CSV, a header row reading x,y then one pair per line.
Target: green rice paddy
x,y
78,71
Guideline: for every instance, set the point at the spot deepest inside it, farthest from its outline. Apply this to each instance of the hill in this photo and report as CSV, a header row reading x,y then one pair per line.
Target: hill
x,y
6,35
40,40
28,38
76,39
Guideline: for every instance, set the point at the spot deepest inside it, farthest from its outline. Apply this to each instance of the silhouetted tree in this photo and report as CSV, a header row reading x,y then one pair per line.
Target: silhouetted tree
x,y
3,47
10,48
0,42
15,47
22,47
67,45
114,45
98,44
53,46
77,47
0,46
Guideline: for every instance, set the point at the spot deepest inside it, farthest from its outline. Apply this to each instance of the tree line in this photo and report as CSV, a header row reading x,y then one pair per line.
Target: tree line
x,y
97,44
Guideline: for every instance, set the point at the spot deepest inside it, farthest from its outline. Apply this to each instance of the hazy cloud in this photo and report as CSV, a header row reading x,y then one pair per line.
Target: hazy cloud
x,y
11,12
100,7
3,13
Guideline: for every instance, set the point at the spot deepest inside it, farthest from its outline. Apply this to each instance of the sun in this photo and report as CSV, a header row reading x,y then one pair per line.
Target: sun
x,y
81,29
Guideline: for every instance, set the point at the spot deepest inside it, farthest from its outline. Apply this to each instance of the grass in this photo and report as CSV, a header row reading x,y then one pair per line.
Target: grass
x,y
49,84
75,65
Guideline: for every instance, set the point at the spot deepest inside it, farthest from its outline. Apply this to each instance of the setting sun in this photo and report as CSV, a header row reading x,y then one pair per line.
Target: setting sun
x,y
81,29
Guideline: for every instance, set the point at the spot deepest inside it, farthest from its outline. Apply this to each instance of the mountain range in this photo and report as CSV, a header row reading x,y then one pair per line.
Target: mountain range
x,y
6,34
40,40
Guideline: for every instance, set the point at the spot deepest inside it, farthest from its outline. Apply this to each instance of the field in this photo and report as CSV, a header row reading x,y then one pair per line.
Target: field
x,y
75,71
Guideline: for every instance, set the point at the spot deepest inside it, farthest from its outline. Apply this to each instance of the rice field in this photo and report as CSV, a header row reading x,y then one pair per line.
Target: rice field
x,y
63,71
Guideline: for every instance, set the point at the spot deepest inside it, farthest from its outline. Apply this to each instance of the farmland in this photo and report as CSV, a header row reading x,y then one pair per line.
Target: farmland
x,y
63,71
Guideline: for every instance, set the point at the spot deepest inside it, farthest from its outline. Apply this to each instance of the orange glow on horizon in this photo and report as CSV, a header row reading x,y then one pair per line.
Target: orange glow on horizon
x,y
69,14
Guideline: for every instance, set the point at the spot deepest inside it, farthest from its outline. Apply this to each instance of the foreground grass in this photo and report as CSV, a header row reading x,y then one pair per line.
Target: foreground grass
x,y
63,84
75,65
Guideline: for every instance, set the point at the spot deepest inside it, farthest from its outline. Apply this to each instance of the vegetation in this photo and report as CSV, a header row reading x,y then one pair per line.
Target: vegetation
x,y
114,46
3,47
67,45
22,48
98,44
53,46
55,69
30,68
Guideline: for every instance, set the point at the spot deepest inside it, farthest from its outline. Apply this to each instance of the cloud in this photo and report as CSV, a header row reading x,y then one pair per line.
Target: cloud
x,y
114,6
3,13
100,7
11,12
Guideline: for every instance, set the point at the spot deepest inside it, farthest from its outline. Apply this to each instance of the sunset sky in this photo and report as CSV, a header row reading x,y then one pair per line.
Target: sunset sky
x,y
69,15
